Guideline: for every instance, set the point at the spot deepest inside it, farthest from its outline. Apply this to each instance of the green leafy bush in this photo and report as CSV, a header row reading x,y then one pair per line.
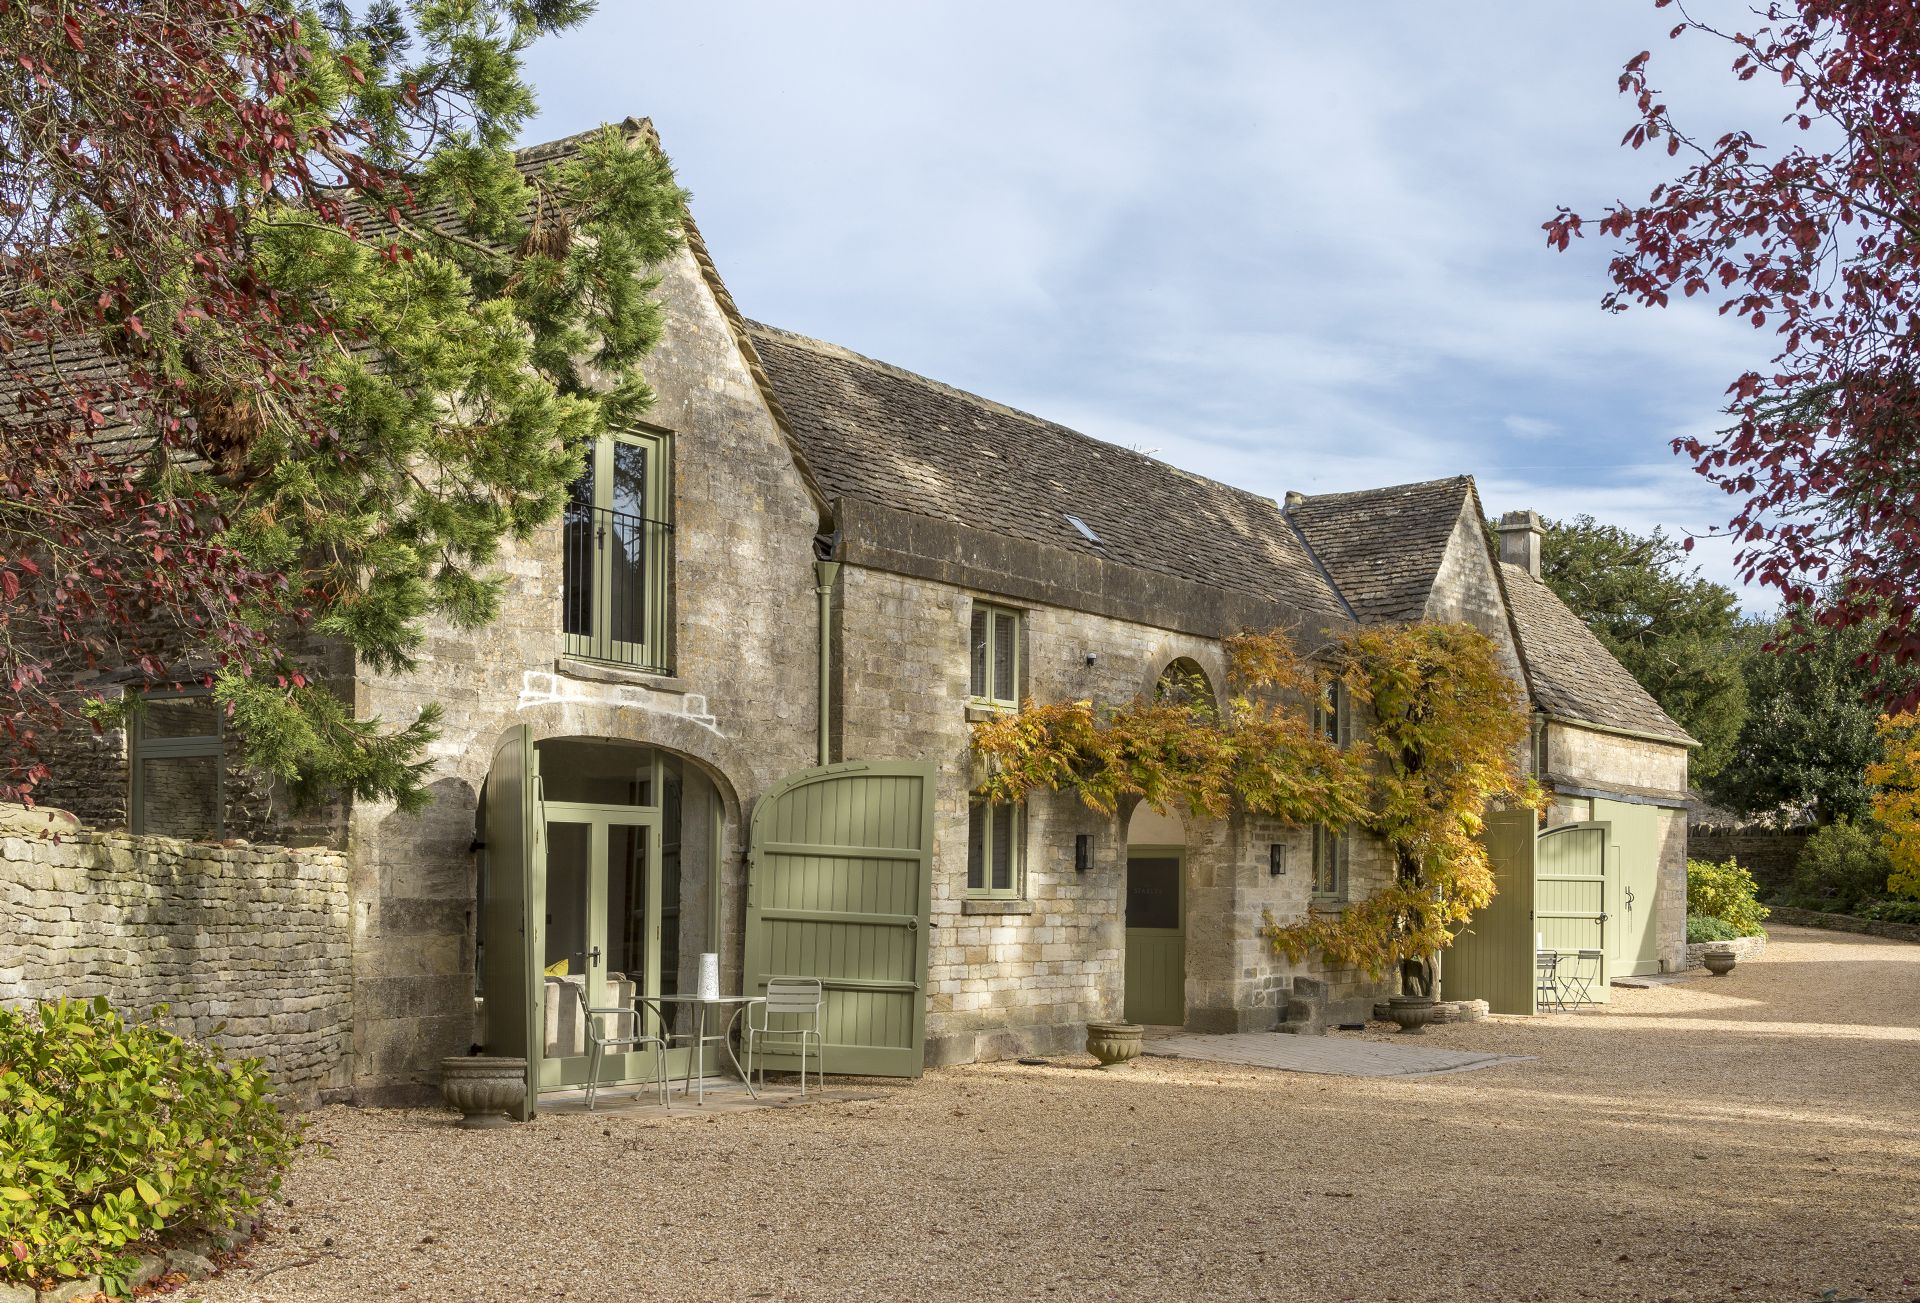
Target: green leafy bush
x,y
1890,911
111,1132
1705,927
1727,892
1842,865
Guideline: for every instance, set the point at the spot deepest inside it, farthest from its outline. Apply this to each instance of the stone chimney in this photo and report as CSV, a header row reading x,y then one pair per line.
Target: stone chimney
x,y
1293,499
1520,535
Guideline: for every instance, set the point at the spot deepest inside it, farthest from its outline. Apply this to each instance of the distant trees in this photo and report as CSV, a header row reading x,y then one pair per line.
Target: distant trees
x,y
1677,632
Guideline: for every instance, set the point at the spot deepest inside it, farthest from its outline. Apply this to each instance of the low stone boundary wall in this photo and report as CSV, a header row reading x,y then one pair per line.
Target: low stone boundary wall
x,y
1844,923
255,937
1742,947
1769,856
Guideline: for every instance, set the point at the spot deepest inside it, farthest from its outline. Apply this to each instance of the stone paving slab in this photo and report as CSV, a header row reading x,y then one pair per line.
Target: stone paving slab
x,y
1337,1056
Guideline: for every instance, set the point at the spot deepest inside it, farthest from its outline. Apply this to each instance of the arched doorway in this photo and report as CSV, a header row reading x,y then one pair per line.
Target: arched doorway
x,y
601,876
1156,944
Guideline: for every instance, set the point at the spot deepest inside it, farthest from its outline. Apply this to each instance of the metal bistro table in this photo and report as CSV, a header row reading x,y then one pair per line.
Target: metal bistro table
x,y
696,1080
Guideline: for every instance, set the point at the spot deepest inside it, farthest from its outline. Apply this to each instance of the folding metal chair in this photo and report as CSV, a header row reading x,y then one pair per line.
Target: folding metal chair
x,y
599,1041
1586,970
798,1000
1546,969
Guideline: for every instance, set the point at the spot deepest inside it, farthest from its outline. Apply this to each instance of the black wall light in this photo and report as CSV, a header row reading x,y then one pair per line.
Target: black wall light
x,y
1082,852
1276,858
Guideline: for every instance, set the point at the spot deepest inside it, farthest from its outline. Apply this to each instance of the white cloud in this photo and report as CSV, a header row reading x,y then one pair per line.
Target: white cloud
x,y
1291,247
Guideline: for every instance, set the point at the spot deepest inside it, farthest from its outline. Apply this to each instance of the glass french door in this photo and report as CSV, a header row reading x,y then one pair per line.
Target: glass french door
x,y
604,924
617,541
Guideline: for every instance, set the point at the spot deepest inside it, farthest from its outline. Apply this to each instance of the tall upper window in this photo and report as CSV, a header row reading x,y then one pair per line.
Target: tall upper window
x,y
617,584
1334,718
174,748
994,648
994,850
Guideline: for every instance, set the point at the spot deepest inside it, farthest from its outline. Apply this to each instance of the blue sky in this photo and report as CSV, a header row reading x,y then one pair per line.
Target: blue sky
x,y
1289,246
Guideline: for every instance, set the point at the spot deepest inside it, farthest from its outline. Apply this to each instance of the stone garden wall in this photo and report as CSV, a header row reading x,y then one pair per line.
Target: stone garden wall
x,y
1769,856
1871,927
255,937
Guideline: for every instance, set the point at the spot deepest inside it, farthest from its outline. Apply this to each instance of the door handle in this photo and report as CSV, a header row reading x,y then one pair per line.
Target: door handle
x,y
913,925
592,957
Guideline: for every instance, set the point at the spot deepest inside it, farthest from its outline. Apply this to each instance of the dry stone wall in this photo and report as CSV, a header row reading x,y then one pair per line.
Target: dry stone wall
x,y
255,937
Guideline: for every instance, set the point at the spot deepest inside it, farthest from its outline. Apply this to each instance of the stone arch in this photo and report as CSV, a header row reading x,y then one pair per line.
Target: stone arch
x,y
1184,678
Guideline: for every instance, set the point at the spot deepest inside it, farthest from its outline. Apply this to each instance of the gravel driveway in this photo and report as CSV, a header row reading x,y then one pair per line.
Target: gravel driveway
x,y
1748,1137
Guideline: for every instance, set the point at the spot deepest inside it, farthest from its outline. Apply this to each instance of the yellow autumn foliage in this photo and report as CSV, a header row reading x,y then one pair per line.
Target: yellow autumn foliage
x,y
1895,780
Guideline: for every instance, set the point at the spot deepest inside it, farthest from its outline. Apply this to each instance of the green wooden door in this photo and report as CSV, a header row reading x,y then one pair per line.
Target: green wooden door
x,y
1156,963
1634,946
1492,959
512,834
1573,885
839,887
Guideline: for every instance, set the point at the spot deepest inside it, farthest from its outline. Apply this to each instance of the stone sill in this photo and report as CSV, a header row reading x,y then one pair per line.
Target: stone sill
x,y
977,711
981,906
594,672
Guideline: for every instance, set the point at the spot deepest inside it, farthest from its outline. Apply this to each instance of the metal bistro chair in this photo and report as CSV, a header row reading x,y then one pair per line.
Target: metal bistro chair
x,y
1585,972
598,1042
797,999
1546,969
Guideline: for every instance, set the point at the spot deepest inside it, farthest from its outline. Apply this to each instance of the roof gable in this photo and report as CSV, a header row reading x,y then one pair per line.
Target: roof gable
x,y
1383,547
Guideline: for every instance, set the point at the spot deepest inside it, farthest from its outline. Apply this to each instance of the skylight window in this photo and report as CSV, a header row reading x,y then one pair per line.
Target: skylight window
x,y
1086,530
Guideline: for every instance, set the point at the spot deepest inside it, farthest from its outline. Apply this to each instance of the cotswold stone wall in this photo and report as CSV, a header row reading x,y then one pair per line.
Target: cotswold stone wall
x,y
1770,857
256,937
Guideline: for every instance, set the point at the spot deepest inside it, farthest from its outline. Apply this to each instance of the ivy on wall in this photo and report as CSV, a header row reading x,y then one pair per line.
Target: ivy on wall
x,y
1446,743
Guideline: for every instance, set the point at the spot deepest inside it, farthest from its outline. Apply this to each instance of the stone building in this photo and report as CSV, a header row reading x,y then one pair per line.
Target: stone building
x,y
725,709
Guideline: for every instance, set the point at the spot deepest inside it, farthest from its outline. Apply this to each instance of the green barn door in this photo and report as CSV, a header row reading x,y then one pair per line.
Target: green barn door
x,y
511,833
1156,962
1492,959
1574,873
839,887
1634,942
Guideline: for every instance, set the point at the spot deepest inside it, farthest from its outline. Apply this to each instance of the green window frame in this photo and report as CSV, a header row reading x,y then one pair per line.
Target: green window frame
x,y
994,656
996,851
1333,716
162,755
1330,854
617,553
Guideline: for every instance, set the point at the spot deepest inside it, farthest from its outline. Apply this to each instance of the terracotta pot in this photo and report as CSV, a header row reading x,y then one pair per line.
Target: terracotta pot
x,y
1413,1013
1719,962
1114,1043
484,1088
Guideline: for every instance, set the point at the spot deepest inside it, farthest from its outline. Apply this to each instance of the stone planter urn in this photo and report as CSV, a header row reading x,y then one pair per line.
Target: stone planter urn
x,y
1114,1043
1413,1013
484,1088
1719,962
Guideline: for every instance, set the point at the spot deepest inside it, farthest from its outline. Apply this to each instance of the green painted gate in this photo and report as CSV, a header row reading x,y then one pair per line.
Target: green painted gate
x,y
1155,991
1575,867
1492,959
839,887
511,831
1633,942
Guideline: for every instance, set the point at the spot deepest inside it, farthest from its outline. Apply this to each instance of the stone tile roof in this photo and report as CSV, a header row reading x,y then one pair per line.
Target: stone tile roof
x,y
875,432
1383,547
1573,675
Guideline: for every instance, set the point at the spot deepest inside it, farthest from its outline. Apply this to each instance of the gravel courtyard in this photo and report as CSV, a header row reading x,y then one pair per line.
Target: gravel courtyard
x,y
1749,1137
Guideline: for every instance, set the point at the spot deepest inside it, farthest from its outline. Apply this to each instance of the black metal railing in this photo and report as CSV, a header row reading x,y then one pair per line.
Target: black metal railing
x,y
616,588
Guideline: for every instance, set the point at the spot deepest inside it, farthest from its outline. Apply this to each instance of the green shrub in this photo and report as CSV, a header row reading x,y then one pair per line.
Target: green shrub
x,y
1705,927
111,1132
1842,865
1727,892
1890,911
